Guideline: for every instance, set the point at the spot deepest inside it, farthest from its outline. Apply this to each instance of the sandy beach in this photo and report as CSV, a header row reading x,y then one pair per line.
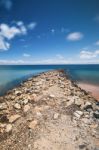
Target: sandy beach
x,y
93,89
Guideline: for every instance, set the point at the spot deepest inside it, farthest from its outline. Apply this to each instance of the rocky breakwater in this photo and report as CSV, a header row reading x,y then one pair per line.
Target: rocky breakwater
x,y
49,112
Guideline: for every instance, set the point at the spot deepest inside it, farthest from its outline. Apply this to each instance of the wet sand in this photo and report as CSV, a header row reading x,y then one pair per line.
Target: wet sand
x,y
93,89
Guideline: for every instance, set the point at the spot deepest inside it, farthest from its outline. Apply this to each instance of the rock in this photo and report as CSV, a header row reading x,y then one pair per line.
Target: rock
x,y
33,124
18,93
87,105
8,128
70,102
56,115
25,101
3,106
26,108
13,118
17,106
82,146
78,114
79,102
51,96
4,118
96,114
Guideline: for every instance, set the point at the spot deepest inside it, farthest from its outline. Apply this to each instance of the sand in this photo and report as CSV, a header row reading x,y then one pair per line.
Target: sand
x,y
93,89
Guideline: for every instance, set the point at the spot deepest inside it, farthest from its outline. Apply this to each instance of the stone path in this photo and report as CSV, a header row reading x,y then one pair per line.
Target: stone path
x,y
49,112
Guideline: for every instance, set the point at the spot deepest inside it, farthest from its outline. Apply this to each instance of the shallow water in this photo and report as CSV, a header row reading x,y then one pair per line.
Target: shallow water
x,y
13,75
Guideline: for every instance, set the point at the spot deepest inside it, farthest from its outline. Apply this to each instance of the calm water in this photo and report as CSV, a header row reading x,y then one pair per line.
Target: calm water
x,y
11,76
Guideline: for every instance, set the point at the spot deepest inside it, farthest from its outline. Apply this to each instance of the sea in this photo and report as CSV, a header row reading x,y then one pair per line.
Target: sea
x,y
12,75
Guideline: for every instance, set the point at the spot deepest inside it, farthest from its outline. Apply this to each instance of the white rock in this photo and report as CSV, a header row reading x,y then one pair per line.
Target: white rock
x,y
25,101
78,114
17,106
8,128
56,115
52,96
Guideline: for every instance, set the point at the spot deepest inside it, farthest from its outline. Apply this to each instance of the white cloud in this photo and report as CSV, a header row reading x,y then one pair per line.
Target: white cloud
x,y
9,32
32,25
4,62
97,43
75,36
26,55
3,44
7,4
89,54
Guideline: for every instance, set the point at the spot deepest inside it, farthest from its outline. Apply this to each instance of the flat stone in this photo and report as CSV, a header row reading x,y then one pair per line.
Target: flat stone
x,y
13,118
26,108
33,124
8,128
17,106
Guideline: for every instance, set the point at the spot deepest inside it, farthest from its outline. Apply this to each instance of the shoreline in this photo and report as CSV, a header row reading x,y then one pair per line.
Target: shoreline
x,y
91,88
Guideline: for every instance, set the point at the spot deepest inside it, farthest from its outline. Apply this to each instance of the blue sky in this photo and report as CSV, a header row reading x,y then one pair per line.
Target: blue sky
x,y
49,31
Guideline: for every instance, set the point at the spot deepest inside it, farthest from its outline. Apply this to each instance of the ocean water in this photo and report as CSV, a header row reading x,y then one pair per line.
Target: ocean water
x,y
13,75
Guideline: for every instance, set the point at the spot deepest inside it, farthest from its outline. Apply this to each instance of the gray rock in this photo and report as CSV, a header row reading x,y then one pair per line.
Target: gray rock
x,y
96,114
87,105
